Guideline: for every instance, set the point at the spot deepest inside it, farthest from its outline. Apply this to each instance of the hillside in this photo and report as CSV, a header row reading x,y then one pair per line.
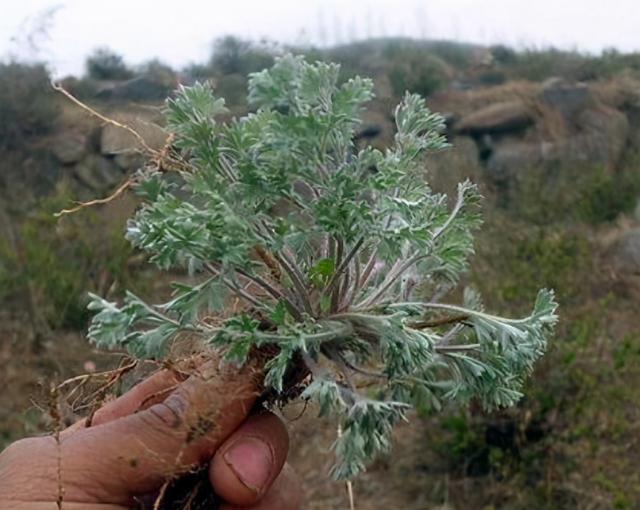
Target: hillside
x,y
553,140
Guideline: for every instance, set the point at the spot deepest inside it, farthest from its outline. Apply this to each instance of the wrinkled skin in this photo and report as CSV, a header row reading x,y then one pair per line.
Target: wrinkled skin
x,y
140,440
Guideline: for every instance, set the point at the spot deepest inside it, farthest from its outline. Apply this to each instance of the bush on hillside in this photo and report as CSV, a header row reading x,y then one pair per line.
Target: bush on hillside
x,y
104,64
232,55
28,105
158,71
419,73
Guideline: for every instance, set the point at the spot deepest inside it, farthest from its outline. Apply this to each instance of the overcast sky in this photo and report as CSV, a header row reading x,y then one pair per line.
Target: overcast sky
x,y
181,31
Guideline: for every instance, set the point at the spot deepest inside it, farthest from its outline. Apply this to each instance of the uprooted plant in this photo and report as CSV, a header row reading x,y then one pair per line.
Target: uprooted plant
x,y
341,257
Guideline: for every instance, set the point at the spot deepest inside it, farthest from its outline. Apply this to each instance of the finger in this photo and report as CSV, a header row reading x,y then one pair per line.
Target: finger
x,y
248,462
135,454
152,390
285,494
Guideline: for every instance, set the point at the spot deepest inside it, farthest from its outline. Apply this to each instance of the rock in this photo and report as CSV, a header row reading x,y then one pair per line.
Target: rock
x,y
503,117
115,140
69,147
603,136
142,88
512,156
98,173
626,252
83,88
600,140
623,259
567,98
129,161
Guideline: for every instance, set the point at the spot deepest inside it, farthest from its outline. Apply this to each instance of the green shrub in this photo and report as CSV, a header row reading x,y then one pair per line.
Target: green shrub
x,y
608,64
7,263
558,192
503,55
606,196
458,55
28,105
233,87
545,258
523,257
56,261
418,73
159,72
232,55
317,310
540,64
104,64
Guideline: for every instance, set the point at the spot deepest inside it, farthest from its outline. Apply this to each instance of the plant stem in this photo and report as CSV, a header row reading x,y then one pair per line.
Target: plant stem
x,y
339,248
293,309
443,321
394,274
233,287
344,264
443,349
297,279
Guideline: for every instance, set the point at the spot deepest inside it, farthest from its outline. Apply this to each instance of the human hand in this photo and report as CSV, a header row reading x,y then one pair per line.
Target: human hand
x,y
140,440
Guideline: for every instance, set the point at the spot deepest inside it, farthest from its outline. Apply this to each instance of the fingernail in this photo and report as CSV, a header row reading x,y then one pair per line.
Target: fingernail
x,y
251,460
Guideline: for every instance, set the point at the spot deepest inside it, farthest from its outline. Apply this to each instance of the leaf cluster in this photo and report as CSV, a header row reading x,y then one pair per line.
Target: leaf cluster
x,y
341,255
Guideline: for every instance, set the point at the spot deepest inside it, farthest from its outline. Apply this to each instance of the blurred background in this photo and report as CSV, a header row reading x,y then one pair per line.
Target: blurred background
x,y
542,101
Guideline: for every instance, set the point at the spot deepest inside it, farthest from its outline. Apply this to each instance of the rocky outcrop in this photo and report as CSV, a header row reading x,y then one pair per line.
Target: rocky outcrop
x,y
97,173
141,88
566,98
69,147
496,118
602,136
622,263
116,140
625,253
560,123
599,139
94,159
511,156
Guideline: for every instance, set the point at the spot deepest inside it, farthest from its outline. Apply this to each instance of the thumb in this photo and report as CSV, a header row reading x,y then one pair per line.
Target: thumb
x,y
135,454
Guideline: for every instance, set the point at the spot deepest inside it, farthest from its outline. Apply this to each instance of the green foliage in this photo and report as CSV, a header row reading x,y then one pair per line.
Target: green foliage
x,y
605,195
627,352
457,54
158,71
7,267
27,104
419,73
104,64
464,443
540,64
503,55
557,192
56,261
232,55
422,69
530,257
346,246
